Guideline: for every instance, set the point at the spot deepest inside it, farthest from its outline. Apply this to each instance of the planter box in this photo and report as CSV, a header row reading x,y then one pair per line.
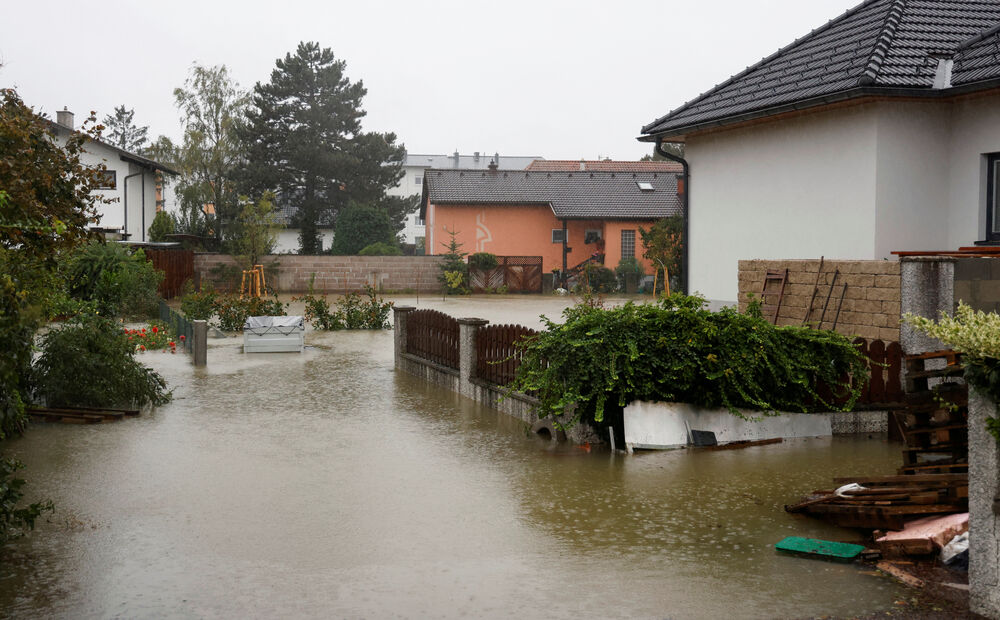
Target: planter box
x,y
273,334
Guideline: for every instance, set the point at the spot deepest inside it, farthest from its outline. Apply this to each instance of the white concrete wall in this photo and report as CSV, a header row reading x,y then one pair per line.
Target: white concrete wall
x,y
799,188
975,133
287,241
912,177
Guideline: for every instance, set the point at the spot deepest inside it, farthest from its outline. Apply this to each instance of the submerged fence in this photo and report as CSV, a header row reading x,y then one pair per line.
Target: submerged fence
x,y
178,324
433,335
497,356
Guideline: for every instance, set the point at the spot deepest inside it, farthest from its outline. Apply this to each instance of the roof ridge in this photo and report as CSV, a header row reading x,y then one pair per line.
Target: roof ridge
x,y
892,19
848,13
985,34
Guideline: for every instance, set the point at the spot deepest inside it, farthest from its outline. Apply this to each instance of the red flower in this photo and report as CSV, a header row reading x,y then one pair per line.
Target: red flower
x,y
182,336
154,329
142,347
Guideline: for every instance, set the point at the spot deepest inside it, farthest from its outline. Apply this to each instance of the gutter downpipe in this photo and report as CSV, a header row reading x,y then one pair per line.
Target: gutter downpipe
x,y
685,210
125,189
565,251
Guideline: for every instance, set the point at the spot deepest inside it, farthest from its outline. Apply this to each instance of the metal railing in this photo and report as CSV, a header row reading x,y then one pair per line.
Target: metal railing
x,y
179,325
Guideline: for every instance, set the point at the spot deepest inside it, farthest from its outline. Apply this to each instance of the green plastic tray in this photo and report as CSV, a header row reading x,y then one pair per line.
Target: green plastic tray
x,y
843,552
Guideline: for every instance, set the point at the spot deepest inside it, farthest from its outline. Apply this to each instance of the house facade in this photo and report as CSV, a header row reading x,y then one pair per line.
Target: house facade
x,y
564,217
129,189
877,132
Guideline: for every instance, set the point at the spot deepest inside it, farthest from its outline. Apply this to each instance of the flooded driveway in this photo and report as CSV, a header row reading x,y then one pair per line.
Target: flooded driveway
x,y
328,485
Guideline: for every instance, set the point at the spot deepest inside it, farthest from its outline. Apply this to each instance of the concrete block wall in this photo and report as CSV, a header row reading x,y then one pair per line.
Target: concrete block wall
x,y
336,274
871,306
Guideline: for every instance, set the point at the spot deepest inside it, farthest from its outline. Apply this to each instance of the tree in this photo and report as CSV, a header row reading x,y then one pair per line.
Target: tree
x,y
398,207
663,243
163,224
256,225
676,148
359,226
211,105
454,274
304,141
121,130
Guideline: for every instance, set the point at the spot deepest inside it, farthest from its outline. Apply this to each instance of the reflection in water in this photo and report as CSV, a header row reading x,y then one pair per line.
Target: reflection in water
x,y
327,485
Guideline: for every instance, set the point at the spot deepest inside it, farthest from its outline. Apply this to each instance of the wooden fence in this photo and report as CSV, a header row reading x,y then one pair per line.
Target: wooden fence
x,y
497,357
433,336
177,266
520,274
885,386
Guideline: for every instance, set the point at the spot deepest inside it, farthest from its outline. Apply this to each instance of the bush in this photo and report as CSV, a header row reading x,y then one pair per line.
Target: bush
x,y
15,521
454,270
353,311
359,226
380,249
198,305
678,351
233,310
121,283
90,362
163,224
597,279
483,261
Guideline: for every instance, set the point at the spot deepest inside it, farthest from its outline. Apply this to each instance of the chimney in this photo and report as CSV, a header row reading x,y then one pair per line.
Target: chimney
x,y
493,166
475,157
680,186
455,157
65,118
583,165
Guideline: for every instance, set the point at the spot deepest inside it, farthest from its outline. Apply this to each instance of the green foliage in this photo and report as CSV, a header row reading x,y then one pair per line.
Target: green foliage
x,y
678,351
663,244
233,310
256,230
596,279
977,335
14,521
454,270
353,311
121,130
380,249
305,142
483,261
155,336
163,224
198,305
626,267
120,282
90,361
359,226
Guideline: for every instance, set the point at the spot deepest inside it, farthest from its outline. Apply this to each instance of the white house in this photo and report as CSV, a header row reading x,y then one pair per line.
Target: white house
x,y
878,131
130,184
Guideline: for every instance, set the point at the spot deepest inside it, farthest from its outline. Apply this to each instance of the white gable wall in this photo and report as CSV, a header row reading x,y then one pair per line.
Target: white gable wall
x,y
975,133
912,178
800,188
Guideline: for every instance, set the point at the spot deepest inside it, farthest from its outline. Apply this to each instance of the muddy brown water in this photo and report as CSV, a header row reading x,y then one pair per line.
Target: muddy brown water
x,y
328,485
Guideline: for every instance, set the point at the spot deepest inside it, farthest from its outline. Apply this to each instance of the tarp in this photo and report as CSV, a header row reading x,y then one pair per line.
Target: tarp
x,y
271,324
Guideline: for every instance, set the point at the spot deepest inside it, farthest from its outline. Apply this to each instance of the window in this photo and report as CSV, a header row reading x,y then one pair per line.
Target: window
x,y
644,186
592,236
109,179
418,180
558,235
993,197
418,221
628,244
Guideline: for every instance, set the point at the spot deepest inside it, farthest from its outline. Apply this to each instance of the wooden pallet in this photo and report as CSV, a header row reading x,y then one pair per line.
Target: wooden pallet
x,y
935,422
80,415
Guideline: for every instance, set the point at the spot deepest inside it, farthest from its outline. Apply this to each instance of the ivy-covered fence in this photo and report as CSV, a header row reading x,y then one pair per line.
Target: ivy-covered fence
x,y
179,325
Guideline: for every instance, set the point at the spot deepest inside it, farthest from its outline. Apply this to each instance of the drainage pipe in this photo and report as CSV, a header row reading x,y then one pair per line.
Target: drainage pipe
x,y
685,211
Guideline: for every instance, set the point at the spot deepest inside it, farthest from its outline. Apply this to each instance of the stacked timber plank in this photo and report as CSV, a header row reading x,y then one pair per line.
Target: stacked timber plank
x,y
80,415
934,424
887,502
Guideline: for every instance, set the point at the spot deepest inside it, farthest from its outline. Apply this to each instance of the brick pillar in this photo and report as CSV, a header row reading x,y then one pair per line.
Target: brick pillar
x,y
927,288
399,331
984,509
467,329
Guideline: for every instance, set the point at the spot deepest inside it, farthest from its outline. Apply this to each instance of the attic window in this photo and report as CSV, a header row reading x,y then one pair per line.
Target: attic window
x,y
645,186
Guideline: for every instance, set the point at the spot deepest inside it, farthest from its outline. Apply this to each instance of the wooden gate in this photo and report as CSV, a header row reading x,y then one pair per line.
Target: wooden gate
x,y
520,274
177,266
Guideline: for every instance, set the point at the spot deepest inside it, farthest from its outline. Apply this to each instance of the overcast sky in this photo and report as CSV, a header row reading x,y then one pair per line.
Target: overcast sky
x,y
561,80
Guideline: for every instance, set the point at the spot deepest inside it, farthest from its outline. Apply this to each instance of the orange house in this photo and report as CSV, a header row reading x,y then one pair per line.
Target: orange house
x,y
565,217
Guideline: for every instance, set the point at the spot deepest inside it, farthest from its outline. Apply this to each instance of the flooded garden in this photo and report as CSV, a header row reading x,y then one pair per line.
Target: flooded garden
x,y
327,484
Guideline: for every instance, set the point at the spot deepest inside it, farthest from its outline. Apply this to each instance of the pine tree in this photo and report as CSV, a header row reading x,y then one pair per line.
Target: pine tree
x,y
120,130
305,142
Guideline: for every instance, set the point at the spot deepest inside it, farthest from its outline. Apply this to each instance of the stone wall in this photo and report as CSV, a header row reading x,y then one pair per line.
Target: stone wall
x,y
871,301
984,509
334,274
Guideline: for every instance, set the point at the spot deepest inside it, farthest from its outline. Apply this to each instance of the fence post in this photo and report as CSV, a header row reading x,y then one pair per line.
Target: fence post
x,y
399,331
467,330
200,345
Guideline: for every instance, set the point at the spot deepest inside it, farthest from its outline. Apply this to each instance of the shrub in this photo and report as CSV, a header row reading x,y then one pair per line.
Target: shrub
x,y
597,279
15,521
90,361
155,336
454,270
353,311
233,310
380,249
678,351
198,305
483,261
120,282
359,226
163,224
626,267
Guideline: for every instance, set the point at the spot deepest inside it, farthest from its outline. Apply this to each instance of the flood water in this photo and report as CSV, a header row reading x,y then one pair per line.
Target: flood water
x,y
329,485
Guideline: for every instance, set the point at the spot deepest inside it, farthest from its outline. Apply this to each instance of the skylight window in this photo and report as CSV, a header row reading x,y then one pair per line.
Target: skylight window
x,y
645,186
